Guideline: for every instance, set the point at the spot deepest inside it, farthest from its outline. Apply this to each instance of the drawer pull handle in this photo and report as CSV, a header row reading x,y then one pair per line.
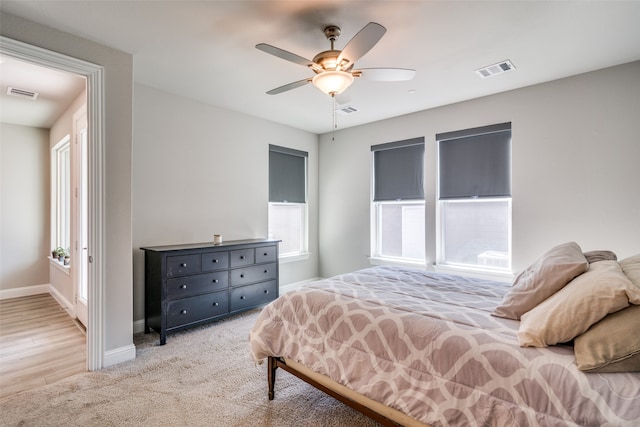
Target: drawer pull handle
x,y
242,275
242,297
266,271
183,287
266,291
183,312
265,254
215,304
215,260
241,256
184,264
215,280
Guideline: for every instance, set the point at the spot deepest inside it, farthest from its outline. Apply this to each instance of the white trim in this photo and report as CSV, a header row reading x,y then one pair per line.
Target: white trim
x,y
498,276
119,355
397,261
56,264
291,286
24,291
95,115
284,259
64,303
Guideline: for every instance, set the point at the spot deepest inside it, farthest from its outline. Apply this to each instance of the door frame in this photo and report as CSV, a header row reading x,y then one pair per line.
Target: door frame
x,y
95,116
79,244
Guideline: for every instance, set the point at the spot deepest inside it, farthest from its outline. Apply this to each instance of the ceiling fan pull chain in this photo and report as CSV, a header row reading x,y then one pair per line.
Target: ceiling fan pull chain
x,y
335,119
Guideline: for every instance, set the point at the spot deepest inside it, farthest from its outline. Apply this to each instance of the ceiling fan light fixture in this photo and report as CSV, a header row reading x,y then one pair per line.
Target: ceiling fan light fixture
x,y
332,82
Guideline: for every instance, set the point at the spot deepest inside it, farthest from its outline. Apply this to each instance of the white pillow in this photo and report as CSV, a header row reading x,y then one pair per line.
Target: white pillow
x,y
588,298
550,273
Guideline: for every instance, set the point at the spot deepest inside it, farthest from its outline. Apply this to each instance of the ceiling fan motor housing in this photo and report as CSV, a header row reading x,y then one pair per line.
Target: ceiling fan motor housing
x,y
328,61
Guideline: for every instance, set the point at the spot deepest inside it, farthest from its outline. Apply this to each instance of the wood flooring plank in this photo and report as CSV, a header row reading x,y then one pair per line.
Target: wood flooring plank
x,y
39,343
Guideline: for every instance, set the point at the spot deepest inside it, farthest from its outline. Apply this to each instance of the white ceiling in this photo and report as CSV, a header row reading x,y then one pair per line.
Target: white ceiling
x,y
205,50
56,90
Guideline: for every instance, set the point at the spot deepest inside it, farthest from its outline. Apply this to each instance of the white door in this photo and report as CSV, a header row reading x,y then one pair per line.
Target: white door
x,y
82,203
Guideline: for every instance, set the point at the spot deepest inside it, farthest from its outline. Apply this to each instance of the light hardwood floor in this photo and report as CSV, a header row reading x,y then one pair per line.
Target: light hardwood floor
x,y
39,343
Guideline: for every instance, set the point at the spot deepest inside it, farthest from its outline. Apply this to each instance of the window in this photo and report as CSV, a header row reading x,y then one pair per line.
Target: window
x,y
61,194
288,199
398,221
474,188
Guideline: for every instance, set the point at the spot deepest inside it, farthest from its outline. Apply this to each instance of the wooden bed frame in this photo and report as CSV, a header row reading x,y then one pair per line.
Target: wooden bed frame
x,y
380,413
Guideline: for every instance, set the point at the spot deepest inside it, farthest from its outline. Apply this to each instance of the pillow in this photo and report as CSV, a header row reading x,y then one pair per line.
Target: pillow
x,y
612,344
631,267
542,279
603,289
595,256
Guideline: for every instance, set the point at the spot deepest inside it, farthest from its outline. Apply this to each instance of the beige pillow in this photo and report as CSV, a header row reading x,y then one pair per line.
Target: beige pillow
x,y
603,289
631,267
612,344
595,256
542,279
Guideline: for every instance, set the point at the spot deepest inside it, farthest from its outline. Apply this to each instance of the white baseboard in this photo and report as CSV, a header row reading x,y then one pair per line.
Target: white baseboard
x,y
25,291
119,355
64,303
138,326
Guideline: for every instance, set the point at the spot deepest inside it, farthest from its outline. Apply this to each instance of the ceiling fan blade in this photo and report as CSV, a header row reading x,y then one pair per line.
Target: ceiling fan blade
x,y
362,42
288,86
385,74
283,54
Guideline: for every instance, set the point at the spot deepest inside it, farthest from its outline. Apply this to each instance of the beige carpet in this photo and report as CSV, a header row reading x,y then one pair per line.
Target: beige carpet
x,y
201,377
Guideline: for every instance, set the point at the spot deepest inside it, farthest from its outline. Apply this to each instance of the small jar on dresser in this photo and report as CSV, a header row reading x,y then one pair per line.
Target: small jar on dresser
x,y
191,284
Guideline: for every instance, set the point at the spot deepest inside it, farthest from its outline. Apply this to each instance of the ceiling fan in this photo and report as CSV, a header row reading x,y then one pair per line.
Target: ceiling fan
x,y
335,68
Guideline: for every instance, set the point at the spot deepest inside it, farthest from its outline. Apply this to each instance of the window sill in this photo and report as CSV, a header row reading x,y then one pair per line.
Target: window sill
x,y
396,261
284,259
498,276
60,266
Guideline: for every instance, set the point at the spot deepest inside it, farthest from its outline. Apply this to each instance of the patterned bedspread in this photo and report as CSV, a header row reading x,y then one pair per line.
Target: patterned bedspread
x,y
425,343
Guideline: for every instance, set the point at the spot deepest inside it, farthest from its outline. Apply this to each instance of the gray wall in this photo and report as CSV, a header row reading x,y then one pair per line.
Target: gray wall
x,y
575,167
200,170
118,78
24,206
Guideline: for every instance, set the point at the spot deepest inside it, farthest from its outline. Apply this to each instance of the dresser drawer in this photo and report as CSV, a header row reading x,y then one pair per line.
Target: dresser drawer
x,y
194,309
198,284
242,257
256,273
212,261
266,254
180,265
253,295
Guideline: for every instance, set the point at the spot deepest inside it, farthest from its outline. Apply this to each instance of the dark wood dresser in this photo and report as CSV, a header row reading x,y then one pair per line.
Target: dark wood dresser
x,y
188,285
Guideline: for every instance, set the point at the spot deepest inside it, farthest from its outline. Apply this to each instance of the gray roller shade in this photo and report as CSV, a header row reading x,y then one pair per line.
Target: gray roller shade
x,y
398,170
287,175
475,163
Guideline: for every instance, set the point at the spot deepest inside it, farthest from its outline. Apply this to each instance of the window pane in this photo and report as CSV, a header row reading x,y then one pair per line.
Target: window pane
x,y
286,222
476,233
61,195
401,232
64,175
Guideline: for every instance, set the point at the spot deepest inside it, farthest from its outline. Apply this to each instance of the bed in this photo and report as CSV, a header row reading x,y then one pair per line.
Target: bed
x,y
413,347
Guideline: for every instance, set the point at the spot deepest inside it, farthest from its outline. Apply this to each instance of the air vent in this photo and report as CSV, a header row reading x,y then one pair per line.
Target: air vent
x,y
22,93
492,70
347,110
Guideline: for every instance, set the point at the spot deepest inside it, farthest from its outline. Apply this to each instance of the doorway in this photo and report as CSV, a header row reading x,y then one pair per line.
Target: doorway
x,y
95,174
